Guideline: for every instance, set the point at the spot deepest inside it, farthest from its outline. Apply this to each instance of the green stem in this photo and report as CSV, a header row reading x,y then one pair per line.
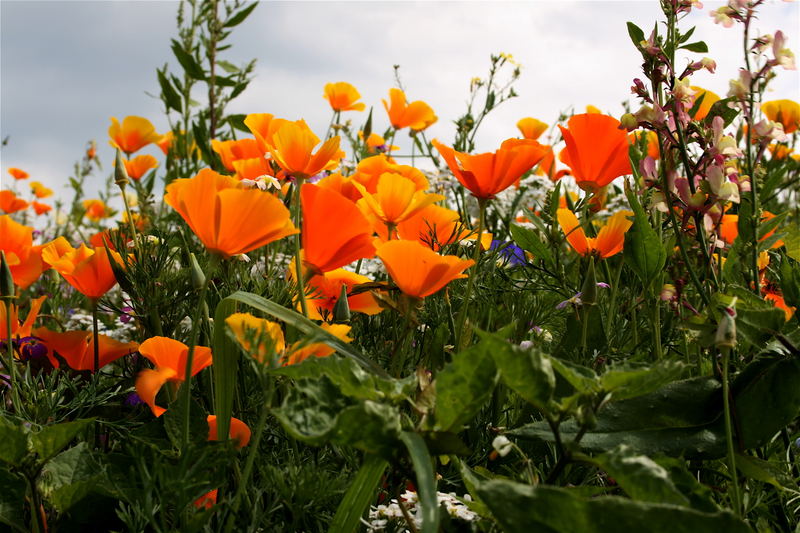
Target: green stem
x,y
298,214
462,315
95,337
726,403
657,329
186,388
9,363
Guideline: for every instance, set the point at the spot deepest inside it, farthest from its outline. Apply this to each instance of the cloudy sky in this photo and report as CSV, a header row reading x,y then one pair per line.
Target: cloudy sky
x,y
68,66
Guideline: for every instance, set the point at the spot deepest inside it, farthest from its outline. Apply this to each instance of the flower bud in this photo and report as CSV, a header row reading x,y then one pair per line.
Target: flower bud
x,y
198,277
341,311
120,172
726,330
6,279
629,122
589,289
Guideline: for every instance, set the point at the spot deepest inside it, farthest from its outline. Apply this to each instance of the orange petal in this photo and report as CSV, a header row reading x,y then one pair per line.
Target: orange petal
x,y
149,382
573,231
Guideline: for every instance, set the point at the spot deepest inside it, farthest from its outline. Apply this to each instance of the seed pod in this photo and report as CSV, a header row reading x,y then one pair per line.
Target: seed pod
x,y
341,311
120,172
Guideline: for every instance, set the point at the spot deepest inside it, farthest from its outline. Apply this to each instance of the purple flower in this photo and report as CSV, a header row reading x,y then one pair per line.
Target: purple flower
x,y
575,300
603,285
133,400
510,253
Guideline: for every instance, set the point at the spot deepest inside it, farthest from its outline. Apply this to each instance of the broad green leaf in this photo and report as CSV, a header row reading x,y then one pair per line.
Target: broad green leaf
x,y
792,241
700,47
225,367
362,491
626,382
189,64
52,439
519,507
237,121
70,476
636,34
240,16
744,225
756,326
12,500
170,95
765,471
722,108
351,379
529,241
13,442
173,423
765,226
316,412
643,251
426,481
640,477
582,379
529,373
790,282
308,327
463,386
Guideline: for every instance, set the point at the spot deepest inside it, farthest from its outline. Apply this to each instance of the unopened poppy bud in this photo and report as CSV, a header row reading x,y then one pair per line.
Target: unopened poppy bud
x,y
6,279
198,277
726,330
589,289
341,311
120,172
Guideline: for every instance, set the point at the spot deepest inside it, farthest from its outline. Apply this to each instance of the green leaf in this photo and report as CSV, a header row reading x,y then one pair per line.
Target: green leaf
x,y
13,442
765,226
316,412
426,482
173,423
225,368
643,251
520,508
529,241
237,121
351,379
640,477
636,34
240,16
626,382
582,379
168,92
700,47
306,326
790,282
189,64
358,497
529,373
765,471
12,500
792,241
463,386
721,108
70,477
228,67
52,439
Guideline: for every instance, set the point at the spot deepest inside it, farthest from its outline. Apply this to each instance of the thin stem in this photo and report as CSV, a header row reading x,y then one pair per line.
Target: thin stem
x,y
462,315
726,402
298,214
657,329
95,337
9,363
186,388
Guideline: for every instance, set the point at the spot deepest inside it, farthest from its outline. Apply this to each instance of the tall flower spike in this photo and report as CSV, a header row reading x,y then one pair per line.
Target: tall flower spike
x,y
343,97
609,241
335,232
419,271
416,115
597,150
488,174
222,214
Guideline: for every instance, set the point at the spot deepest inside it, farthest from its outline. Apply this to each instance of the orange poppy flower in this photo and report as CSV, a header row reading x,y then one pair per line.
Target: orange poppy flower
x,y
395,200
207,500
708,100
40,208
531,128
292,145
18,174
165,142
96,210
86,269
341,184
729,228
485,175
230,151
10,203
609,241
416,115
19,330
169,357
370,169
249,329
434,226
597,150
298,352
139,166
133,134
776,298
787,112
376,144
343,97
335,232
419,271
39,190
77,348
23,258
239,431
324,290
252,169
228,219
262,127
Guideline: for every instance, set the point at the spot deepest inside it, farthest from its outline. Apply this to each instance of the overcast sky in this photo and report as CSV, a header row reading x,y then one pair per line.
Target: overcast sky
x,y
68,66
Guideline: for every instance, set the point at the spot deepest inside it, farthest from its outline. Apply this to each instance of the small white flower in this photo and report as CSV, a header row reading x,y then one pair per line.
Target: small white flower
x,y
502,445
